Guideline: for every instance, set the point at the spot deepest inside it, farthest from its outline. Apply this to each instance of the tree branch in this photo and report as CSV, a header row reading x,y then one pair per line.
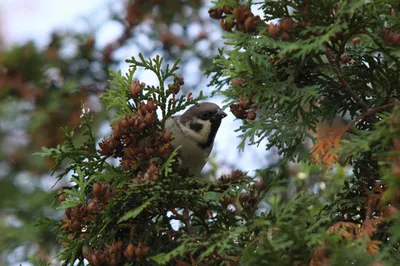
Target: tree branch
x,y
231,260
185,219
370,112
336,68
192,260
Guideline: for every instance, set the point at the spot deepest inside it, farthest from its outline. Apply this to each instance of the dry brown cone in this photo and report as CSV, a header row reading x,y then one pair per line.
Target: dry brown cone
x,y
129,252
114,254
227,25
240,13
234,176
273,30
135,138
390,38
215,13
238,111
75,219
251,23
287,24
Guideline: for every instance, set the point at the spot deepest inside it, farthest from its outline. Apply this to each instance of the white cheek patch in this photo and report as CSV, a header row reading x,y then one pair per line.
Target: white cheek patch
x,y
202,135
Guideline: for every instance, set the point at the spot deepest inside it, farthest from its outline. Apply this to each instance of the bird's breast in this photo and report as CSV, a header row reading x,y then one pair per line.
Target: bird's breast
x,y
193,157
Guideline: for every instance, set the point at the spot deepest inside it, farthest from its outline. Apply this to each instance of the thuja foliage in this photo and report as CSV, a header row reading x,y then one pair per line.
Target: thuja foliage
x,y
319,81
326,73
143,210
42,88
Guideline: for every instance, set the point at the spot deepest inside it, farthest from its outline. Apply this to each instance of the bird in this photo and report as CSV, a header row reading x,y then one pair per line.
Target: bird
x,y
194,132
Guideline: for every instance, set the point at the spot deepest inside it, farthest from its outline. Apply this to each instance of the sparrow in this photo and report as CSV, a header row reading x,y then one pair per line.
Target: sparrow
x,y
195,131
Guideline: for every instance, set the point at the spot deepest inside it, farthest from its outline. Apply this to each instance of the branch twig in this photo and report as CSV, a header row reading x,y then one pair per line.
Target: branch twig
x,y
370,112
192,260
231,261
177,215
336,68
184,218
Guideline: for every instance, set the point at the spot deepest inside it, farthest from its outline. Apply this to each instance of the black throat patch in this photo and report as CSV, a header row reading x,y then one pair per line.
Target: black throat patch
x,y
211,136
197,127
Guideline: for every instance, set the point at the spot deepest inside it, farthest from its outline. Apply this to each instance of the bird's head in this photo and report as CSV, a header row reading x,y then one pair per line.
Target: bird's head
x,y
203,120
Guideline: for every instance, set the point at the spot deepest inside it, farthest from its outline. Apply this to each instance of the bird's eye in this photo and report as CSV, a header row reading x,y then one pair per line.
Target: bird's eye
x,y
205,115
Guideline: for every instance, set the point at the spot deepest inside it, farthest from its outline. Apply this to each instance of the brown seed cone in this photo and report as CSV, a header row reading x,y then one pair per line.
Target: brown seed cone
x,y
285,36
356,41
177,89
225,201
94,260
215,13
396,39
273,30
166,136
345,59
181,81
251,116
151,105
390,211
227,25
136,88
138,253
244,104
66,223
238,175
251,23
91,207
238,111
145,250
61,197
97,190
260,185
75,225
129,252
287,24
241,13
149,118
237,82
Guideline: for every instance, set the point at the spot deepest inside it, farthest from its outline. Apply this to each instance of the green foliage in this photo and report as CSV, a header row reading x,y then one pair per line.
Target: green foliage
x,y
140,206
42,88
117,98
82,158
287,78
327,74
320,71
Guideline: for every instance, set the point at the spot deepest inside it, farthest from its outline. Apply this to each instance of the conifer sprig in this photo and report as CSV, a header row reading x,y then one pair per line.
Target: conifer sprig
x,y
117,214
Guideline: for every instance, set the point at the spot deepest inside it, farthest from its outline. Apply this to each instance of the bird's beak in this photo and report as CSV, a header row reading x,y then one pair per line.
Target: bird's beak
x,y
221,114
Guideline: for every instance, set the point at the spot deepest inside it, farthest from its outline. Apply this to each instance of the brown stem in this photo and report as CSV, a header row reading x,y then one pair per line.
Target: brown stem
x,y
388,94
371,111
186,220
231,261
192,260
177,215
336,68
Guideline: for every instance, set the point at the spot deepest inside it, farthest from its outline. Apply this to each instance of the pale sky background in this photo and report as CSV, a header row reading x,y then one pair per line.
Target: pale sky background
x,y
23,20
